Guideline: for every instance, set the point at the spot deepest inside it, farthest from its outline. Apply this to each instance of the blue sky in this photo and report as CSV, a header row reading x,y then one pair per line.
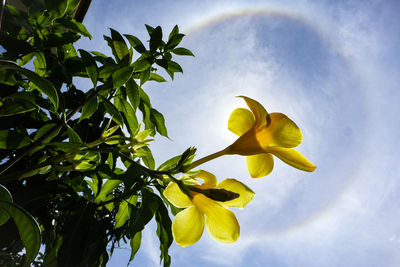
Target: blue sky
x,y
331,66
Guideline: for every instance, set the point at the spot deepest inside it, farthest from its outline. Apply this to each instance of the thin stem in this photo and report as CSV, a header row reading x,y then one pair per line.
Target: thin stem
x,y
3,4
207,158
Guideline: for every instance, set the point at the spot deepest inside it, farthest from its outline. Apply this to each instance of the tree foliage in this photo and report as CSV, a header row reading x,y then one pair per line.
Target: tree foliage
x,y
77,175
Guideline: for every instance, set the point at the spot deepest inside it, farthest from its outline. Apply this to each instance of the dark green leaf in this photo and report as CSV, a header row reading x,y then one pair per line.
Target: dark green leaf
x,y
180,51
11,139
144,214
121,76
45,129
42,84
149,29
174,41
174,67
155,38
136,43
27,227
164,232
132,90
5,196
90,66
73,136
56,8
141,65
75,26
174,31
16,107
113,111
132,175
144,76
89,108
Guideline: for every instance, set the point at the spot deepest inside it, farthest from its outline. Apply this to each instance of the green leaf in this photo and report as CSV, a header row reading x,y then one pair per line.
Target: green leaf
x,y
136,43
164,232
180,51
144,76
174,41
42,84
156,77
132,90
148,160
155,38
158,119
75,26
90,66
113,111
124,211
145,213
89,108
121,76
132,175
169,164
174,67
107,188
73,136
45,129
5,196
128,114
27,227
56,8
17,106
174,31
135,245
120,47
11,139
141,65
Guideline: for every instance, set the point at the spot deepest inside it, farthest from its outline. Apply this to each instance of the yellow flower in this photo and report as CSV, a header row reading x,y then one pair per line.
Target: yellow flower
x,y
262,134
188,224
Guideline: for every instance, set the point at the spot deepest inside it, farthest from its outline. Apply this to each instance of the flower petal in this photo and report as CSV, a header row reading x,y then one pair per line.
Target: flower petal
x,y
188,226
293,158
210,181
260,114
221,223
284,131
233,185
259,165
176,196
240,121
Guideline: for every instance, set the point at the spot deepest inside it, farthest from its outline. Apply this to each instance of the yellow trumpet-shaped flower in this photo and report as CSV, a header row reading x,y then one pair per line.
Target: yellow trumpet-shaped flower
x,y
262,134
208,203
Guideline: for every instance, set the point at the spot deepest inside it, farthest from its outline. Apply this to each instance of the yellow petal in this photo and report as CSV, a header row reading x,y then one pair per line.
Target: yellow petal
x,y
210,181
221,223
293,158
188,226
240,121
260,114
259,165
284,131
176,196
233,185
